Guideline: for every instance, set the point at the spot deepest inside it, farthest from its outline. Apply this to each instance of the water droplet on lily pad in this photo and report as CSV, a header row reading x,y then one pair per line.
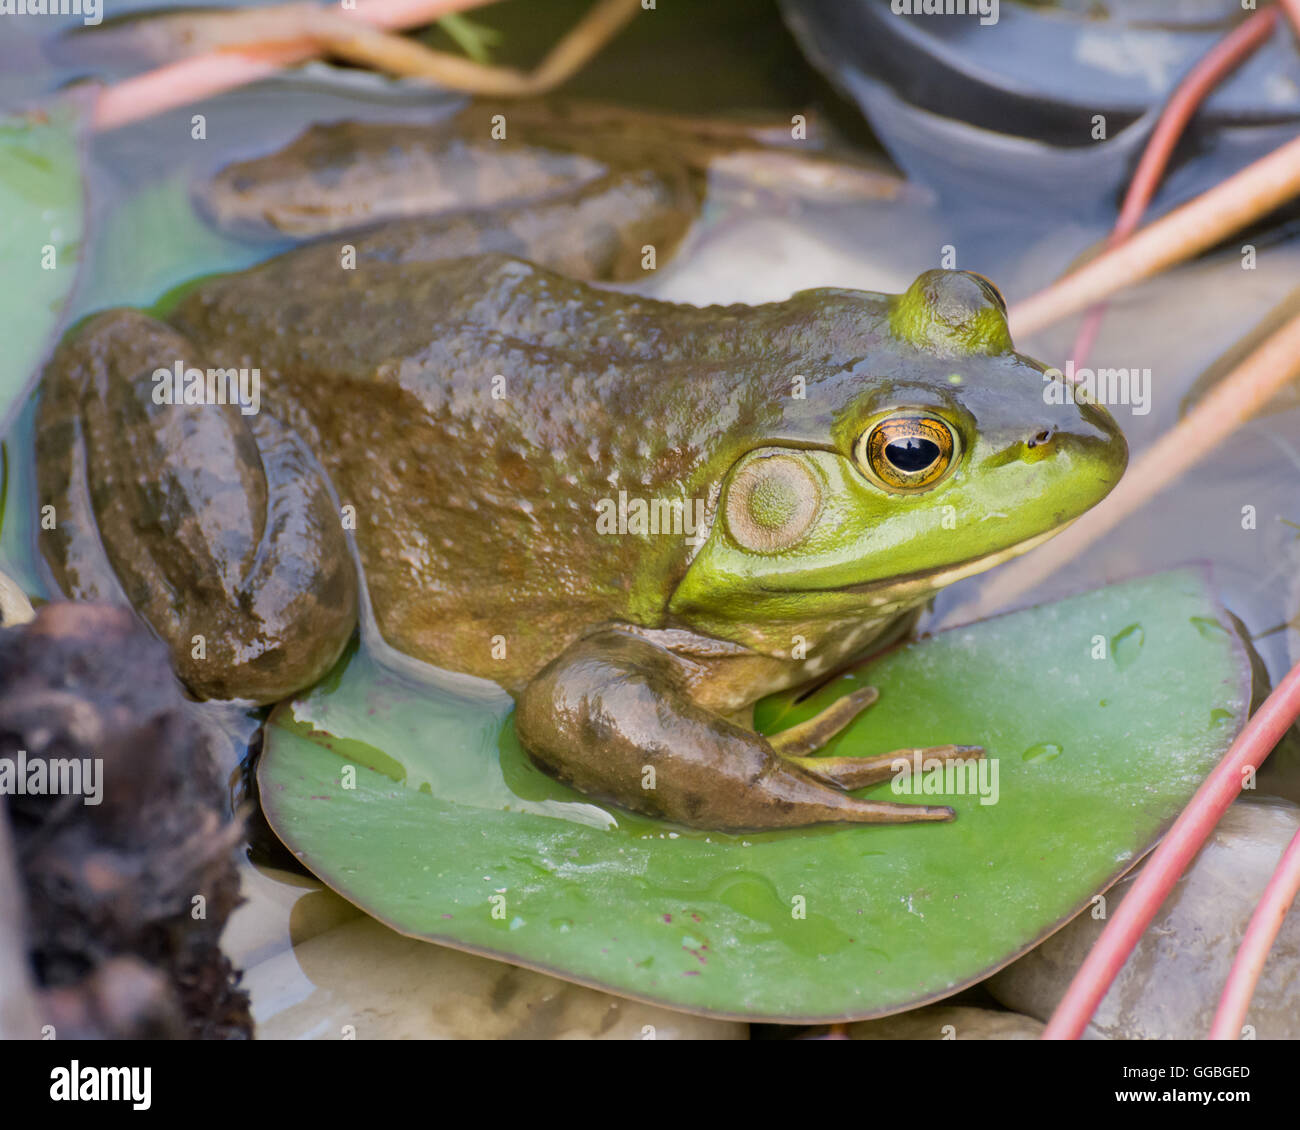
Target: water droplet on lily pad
x,y
1218,717
1126,645
1208,628
1043,751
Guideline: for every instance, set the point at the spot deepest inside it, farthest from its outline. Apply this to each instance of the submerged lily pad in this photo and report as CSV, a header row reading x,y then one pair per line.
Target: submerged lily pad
x,y
1102,714
41,218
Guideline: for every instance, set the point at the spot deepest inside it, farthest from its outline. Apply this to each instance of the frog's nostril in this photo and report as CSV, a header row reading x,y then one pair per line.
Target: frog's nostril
x,y
1042,437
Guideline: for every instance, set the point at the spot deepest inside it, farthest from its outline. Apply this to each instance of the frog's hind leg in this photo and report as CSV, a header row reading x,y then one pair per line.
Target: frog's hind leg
x,y
612,717
217,525
824,725
599,231
795,743
859,772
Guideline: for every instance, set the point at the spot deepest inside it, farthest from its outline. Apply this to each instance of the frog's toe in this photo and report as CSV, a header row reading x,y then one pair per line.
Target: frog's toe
x,y
859,772
887,812
821,727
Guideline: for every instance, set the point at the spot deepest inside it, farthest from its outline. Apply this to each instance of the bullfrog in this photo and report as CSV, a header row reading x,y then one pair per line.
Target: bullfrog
x,y
581,187
637,517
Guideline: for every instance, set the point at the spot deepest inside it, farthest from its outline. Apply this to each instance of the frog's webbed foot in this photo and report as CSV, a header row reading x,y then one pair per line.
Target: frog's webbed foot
x,y
218,527
854,772
611,716
859,772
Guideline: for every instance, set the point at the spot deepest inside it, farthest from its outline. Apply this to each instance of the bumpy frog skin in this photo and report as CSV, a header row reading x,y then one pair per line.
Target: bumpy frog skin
x,y
850,453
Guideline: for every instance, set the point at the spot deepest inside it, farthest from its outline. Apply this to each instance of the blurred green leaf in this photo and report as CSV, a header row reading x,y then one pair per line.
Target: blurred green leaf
x,y
42,215
475,39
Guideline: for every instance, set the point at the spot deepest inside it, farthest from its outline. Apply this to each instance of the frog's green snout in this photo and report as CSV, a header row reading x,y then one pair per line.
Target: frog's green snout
x,y
1086,442
1095,430
1112,457
1107,427
1091,428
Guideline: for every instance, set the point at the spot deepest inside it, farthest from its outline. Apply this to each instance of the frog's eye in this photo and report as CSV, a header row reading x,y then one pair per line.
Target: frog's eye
x,y
907,452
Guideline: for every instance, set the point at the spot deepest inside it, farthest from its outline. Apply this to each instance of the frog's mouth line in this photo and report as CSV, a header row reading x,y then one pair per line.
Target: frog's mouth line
x,y
926,580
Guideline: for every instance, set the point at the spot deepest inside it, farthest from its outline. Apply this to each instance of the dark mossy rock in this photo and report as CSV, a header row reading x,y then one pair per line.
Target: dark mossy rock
x,y
128,856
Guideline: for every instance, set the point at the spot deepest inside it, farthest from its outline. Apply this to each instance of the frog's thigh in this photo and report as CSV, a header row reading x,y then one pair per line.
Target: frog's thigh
x,y
218,526
609,716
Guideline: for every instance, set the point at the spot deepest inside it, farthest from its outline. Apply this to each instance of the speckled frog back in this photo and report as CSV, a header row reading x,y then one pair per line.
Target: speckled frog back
x,y
481,414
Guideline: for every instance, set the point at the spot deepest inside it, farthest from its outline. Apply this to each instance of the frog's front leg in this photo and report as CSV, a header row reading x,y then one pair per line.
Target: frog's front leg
x,y
215,525
613,717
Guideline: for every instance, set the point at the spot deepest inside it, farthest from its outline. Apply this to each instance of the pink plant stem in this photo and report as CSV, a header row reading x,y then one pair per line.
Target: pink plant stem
x,y
1089,328
189,80
1279,894
1223,58
1217,63
1263,732
392,14
200,76
1265,923
1197,225
1292,10
1171,858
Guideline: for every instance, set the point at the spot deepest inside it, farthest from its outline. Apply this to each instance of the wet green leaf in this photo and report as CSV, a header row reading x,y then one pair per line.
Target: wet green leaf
x,y
1102,712
41,218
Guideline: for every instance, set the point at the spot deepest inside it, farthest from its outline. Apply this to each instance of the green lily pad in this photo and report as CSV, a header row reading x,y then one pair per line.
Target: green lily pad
x,y
1103,714
41,218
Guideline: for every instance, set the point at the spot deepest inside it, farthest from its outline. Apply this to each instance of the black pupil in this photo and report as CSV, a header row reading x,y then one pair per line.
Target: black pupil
x,y
911,454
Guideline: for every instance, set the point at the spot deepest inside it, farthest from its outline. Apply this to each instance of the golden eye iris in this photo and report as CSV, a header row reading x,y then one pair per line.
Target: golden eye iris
x,y
907,452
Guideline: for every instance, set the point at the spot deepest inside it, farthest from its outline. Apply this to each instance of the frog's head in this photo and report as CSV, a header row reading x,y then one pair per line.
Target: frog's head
x,y
925,450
